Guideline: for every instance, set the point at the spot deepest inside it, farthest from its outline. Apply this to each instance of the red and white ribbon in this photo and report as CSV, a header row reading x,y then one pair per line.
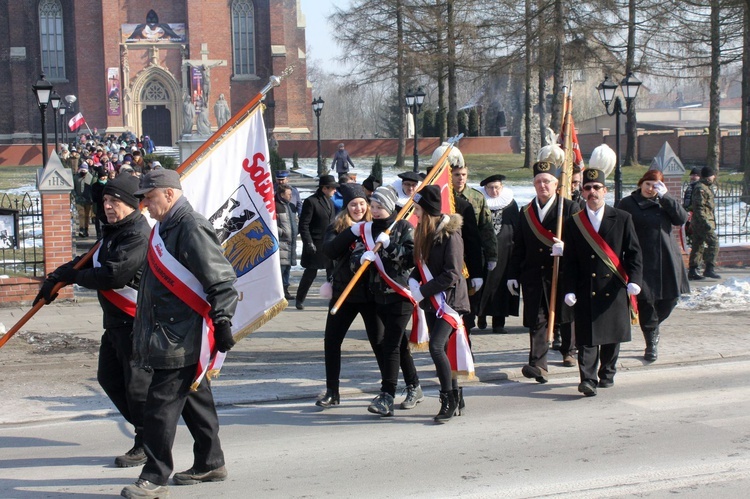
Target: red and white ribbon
x,y
185,286
124,299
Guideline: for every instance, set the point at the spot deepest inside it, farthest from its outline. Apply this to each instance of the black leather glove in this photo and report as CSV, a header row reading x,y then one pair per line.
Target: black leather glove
x,y
66,273
310,247
223,336
45,293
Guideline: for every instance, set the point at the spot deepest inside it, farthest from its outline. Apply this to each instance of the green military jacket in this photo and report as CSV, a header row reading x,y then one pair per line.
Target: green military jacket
x,y
484,220
703,206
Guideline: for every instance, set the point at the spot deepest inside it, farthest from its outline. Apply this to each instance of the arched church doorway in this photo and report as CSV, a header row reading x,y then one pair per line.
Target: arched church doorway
x,y
156,122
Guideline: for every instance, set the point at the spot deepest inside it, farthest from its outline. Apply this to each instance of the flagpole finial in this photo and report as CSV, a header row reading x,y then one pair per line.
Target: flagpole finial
x,y
275,81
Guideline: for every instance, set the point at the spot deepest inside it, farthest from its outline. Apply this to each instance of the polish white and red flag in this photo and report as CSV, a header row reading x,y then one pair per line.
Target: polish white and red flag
x,y
76,122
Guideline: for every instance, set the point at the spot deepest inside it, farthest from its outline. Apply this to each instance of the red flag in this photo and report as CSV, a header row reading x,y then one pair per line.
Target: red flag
x,y
76,121
577,156
445,183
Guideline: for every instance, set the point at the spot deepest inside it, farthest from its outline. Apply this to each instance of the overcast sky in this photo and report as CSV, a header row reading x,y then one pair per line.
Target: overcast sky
x,y
318,33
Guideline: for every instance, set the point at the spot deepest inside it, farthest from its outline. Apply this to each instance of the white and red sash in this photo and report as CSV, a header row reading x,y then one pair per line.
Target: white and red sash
x,y
419,336
185,286
459,352
124,299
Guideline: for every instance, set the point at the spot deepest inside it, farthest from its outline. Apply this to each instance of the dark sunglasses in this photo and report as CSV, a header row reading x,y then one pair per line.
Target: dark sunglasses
x,y
596,187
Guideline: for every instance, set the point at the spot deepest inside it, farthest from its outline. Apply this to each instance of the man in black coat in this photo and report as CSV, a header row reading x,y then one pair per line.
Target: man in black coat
x,y
602,269
534,246
114,272
317,214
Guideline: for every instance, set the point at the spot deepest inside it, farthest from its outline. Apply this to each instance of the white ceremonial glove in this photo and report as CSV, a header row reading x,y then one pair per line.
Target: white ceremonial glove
x,y
383,239
356,228
491,266
661,189
633,289
513,287
570,299
476,283
414,288
558,247
367,256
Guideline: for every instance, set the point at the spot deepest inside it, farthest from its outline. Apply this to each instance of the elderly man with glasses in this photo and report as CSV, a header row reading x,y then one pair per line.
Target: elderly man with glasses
x,y
534,246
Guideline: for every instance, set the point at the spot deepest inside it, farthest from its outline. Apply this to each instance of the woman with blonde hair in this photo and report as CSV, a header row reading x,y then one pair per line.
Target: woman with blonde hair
x,y
438,284
339,242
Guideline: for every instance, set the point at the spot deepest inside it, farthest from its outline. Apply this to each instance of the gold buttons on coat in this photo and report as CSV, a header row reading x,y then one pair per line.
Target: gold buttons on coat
x,y
593,275
593,293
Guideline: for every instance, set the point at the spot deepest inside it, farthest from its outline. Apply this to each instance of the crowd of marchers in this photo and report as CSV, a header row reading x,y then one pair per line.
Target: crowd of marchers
x,y
416,272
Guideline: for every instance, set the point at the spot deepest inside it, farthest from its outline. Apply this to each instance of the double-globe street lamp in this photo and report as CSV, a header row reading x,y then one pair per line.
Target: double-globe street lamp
x,y
607,89
317,105
414,102
43,90
63,132
70,99
55,101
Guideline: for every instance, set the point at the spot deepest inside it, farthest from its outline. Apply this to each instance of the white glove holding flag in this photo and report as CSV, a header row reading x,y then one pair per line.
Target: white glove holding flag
x,y
476,283
660,188
491,266
558,247
414,288
367,256
570,299
383,239
633,289
513,287
356,228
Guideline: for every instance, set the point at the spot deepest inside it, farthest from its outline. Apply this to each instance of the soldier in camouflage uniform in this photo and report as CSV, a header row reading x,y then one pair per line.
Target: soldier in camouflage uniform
x,y
705,242
459,175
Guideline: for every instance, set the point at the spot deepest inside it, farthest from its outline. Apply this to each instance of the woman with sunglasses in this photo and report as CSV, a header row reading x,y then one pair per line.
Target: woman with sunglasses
x,y
654,213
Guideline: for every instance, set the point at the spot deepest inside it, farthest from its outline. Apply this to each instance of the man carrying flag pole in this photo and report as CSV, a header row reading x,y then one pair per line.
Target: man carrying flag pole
x,y
188,298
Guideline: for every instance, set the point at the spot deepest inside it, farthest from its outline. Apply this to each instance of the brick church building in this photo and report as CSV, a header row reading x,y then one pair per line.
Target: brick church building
x,y
149,66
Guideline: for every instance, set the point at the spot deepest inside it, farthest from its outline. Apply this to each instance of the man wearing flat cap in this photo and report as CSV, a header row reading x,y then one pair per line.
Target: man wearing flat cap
x,y
602,270
114,272
703,224
318,213
186,301
534,246
282,178
406,186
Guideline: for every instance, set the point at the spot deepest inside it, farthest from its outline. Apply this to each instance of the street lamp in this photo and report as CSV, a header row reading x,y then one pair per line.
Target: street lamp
x,y
55,101
317,105
414,102
70,99
42,90
629,86
63,125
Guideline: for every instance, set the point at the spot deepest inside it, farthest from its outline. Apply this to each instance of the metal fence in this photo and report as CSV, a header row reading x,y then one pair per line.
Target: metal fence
x,y
21,247
732,211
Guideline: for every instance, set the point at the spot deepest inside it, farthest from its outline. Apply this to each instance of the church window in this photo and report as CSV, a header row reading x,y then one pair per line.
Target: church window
x,y
155,91
243,37
51,37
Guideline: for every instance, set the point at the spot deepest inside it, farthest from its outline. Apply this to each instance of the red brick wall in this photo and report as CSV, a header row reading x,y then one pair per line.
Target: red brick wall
x,y
388,147
16,290
58,242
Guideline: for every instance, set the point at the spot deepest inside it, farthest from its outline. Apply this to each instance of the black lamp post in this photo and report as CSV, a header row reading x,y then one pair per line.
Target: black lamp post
x,y
42,90
70,99
414,102
55,101
317,105
607,89
63,125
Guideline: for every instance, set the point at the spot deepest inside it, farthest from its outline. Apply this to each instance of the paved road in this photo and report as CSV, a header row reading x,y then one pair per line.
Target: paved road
x,y
659,432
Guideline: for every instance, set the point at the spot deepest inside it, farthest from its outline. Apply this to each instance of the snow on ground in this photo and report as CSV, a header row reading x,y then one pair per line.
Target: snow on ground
x,y
730,295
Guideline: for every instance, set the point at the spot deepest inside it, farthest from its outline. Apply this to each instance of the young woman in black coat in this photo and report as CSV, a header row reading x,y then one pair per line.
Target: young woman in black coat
x,y
654,214
438,255
340,240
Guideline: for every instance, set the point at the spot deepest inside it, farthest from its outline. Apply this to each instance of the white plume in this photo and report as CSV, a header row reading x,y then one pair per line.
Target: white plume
x,y
551,136
455,158
552,153
603,158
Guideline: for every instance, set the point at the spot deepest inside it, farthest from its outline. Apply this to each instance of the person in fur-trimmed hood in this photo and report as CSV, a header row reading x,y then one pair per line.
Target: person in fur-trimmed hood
x,y
438,254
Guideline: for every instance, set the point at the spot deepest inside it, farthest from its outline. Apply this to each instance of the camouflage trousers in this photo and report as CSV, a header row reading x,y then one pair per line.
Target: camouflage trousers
x,y
705,247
